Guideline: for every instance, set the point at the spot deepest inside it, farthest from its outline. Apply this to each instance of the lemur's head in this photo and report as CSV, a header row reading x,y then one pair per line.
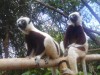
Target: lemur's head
x,y
25,24
75,19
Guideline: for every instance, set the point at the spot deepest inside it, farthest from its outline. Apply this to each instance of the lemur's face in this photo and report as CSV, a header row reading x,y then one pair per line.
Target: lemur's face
x,y
75,17
22,22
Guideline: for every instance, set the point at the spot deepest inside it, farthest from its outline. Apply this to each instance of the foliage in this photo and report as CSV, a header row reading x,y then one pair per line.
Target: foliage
x,y
92,45
10,10
42,71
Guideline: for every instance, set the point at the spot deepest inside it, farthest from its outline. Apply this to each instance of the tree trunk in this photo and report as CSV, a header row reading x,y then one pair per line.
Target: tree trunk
x,y
0,50
6,45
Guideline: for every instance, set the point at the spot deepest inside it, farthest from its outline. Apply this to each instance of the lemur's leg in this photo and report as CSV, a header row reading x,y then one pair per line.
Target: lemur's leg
x,y
38,57
72,59
53,70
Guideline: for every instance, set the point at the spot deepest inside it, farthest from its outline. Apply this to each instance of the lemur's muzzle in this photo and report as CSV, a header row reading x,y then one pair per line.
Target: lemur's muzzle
x,y
22,24
73,18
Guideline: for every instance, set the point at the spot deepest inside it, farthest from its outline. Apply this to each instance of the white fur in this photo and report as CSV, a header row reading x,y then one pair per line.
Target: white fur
x,y
62,46
77,45
30,27
73,51
38,57
23,18
73,54
48,42
79,21
50,48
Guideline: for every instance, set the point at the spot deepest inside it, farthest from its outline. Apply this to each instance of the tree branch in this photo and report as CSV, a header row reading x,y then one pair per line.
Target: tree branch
x,y
92,50
92,36
98,2
25,63
97,32
52,8
65,15
91,10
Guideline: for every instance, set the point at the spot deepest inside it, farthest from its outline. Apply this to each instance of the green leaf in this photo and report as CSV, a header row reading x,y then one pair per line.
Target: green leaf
x,y
98,67
27,73
89,74
47,73
80,73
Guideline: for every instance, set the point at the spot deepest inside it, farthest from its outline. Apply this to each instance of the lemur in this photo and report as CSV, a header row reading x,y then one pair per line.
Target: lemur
x,y
38,43
75,42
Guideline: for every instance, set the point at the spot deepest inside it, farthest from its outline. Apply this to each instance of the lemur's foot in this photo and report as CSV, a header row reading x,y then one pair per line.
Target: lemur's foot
x,y
46,60
29,57
68,71
37,60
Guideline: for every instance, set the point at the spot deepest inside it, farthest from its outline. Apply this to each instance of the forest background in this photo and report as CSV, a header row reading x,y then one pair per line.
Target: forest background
x,y
51,17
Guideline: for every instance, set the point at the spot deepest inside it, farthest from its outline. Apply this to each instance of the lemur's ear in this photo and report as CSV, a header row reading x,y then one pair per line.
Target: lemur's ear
x,y
30,21
21,16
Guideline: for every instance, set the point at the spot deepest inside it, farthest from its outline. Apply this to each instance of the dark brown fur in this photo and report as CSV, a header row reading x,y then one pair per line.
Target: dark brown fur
x,y
74,34
57,48
35,41
81,48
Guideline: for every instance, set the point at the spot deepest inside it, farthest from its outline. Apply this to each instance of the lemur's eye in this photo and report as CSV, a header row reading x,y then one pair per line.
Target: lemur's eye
x,y
23,22
73,16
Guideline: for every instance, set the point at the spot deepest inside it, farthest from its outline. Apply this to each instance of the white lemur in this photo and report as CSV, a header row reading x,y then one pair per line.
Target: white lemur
x,y
38,42
75,42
